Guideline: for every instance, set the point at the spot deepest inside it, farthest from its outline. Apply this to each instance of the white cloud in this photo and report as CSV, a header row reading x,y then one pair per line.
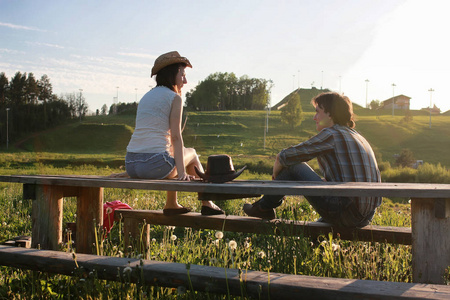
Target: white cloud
x,y
140,55
45,45
20,27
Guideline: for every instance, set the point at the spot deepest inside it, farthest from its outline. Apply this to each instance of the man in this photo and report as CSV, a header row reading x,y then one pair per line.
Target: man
x,y
343,156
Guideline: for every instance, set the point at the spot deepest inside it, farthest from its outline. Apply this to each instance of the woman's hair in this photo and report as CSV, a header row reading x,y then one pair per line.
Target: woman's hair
x,y
338,106
167,76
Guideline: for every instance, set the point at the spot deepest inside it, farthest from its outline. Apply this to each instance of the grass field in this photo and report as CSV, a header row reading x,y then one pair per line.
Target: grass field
x,y
97,147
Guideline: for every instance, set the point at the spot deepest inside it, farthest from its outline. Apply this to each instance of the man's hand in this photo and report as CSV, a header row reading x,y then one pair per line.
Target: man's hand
x,y
277,167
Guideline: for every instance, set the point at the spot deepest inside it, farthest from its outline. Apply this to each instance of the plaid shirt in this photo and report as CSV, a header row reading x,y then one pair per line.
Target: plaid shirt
x,y
343,155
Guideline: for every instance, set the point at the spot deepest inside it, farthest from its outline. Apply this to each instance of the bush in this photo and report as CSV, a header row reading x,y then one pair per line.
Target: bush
x,y
399,175
433,173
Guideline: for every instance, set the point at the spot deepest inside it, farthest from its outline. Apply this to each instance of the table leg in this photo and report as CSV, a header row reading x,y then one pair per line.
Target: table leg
x,y
430,226
47,216
89,218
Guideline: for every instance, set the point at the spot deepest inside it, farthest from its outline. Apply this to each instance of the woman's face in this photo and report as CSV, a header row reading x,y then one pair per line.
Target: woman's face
x,y
180,79
323,119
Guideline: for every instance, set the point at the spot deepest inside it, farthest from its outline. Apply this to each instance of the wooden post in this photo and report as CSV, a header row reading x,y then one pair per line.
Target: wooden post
x,y
89,216
47,216
430,240
132,233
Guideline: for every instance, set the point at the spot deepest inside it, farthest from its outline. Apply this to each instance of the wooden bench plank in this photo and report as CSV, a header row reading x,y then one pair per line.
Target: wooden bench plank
x,y
216,280
398,235
257,187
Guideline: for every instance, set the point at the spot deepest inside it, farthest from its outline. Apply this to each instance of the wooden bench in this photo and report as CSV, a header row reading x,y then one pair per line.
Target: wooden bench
x,y
133,220
430,208
254,284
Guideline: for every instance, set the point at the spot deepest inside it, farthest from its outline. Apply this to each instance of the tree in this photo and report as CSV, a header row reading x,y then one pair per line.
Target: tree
x,y
4,86
374,104
223,91
405,159
292,113
104,110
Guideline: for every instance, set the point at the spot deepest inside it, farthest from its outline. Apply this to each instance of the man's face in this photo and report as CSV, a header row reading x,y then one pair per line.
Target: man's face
x,y
322,119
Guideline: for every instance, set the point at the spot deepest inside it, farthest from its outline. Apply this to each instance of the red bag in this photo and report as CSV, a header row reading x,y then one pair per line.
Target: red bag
x,y
108,213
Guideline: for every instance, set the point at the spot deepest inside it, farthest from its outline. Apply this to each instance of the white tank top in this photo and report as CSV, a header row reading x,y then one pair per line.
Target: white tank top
x,y
152,131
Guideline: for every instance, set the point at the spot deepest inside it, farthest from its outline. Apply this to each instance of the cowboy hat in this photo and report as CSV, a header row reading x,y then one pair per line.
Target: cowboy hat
x,y
167,59
219,169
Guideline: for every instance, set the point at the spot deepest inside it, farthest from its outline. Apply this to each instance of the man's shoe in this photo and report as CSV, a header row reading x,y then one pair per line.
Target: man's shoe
x,y
255,210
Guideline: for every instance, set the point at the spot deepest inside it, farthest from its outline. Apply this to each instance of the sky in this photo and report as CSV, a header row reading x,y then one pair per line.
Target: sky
x,y
368,50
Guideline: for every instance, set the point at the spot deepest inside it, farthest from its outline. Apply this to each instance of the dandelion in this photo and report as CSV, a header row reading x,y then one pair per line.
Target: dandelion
x,y
120,253
171,227
213,260
219,235
153,240
127,270
233,245
173,237
216,242
261,254
246,245
409,201
181,290
82,279
335,247
109,210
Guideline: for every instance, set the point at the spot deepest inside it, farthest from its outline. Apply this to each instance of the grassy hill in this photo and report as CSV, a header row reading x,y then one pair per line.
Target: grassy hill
x,y
241,134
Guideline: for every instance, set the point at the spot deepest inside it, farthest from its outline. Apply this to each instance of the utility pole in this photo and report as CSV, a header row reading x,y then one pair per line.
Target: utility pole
x,y
431,92
367,88
7,128
79,103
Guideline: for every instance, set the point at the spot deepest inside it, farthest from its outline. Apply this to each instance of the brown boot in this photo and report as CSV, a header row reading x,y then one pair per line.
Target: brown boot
x,y
255,210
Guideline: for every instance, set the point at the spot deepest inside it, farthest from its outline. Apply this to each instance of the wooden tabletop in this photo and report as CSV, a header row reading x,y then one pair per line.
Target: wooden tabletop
x,y
355,189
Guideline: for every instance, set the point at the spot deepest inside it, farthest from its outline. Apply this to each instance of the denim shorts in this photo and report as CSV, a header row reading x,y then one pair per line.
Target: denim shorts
x,y
149,165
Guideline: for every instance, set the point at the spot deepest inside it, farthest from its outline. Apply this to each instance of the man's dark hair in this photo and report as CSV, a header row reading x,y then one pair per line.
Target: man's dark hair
x,y
338,106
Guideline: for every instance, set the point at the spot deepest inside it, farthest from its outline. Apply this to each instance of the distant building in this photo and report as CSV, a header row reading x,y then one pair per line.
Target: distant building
x,y
400,102
434,111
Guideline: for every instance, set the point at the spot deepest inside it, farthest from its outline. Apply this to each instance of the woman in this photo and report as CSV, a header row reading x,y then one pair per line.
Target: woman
x,y
156,149
343,155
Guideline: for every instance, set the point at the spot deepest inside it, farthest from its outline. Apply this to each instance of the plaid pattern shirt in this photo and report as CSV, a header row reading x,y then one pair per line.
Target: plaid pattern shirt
x,y
343,155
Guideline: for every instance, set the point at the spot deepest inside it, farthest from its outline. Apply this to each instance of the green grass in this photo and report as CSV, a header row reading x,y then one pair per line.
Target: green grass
x,y
97,147
240,134
269,253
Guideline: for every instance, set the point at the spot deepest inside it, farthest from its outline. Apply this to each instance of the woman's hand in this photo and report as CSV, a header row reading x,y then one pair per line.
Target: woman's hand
x,y
185,177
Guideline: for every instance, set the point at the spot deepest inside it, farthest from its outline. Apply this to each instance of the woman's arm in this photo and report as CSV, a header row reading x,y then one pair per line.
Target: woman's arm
x,y
176,137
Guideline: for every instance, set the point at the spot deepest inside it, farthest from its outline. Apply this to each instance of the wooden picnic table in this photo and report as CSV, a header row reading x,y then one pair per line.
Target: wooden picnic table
x,y
430,208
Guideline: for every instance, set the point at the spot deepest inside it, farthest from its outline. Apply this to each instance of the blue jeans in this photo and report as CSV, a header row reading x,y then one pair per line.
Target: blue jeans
x,y
339,211
149,165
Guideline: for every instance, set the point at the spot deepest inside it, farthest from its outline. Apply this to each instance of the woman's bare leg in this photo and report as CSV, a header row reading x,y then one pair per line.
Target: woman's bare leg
x,y
191,160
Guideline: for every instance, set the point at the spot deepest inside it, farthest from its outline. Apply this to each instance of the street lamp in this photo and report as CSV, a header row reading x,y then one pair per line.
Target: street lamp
x,y
7,128
321,85
79,103
431,92
393,99
367,88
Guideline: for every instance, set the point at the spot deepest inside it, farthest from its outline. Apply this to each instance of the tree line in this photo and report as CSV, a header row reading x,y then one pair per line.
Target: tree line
x,y
224,91
28,104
